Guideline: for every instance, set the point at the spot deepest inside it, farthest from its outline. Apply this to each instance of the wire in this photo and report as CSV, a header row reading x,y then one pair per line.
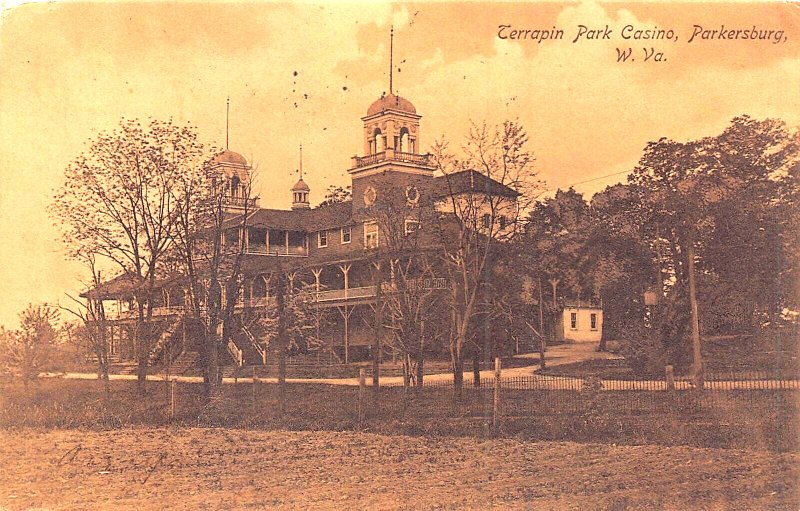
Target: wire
x,y
588,181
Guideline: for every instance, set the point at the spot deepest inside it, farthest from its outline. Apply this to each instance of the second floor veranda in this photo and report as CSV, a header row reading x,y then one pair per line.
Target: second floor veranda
x,y
254,295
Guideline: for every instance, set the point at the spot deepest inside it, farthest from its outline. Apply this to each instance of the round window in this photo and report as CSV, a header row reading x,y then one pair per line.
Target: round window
x,y
370,196
412,194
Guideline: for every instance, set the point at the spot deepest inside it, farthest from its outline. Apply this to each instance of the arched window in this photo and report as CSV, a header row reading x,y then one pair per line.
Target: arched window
x,y
404,141
380,141
235,186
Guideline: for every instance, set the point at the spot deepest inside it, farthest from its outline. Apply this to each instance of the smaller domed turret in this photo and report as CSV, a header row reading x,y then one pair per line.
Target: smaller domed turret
x,y
300,190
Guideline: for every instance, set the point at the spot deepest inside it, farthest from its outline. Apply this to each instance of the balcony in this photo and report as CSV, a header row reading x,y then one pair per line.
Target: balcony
x,y
291,251
158,312
240,202
392,155
353,293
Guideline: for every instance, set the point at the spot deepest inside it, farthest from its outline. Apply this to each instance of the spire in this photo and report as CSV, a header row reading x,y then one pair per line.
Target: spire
x,y
391,52
227,120
301,162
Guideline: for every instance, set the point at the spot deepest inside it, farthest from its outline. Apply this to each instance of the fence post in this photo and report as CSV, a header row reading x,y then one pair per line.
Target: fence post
x,y
362,389
496,400
670,376
172,399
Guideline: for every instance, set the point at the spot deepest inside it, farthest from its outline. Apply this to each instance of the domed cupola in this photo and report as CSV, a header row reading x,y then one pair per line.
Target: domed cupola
x,y
232,167
391,102
300,190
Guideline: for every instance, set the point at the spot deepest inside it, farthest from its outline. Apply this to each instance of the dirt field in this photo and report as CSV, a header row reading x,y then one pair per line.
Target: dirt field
x,y
185,468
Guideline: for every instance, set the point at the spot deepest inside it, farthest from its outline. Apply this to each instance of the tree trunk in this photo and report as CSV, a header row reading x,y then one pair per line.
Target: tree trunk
x,y
280,304
542,342
212,359
406,372
458,375
376,343
141,349
420,369
476,369
697,365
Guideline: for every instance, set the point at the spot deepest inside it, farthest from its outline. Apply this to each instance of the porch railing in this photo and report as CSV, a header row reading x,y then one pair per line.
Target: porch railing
x,y
261,351
157,312
279,250
392,155
236,353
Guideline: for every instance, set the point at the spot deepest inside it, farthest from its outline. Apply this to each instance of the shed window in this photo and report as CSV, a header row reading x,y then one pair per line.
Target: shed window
x,y
593,320
573,320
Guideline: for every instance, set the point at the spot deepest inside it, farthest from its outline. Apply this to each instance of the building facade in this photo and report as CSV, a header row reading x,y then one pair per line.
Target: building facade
x,y
330,249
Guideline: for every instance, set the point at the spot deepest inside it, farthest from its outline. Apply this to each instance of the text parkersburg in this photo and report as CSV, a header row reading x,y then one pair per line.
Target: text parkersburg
x,y
636,33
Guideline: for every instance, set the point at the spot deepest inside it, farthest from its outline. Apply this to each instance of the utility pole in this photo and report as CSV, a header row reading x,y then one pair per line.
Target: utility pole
x,y
541,322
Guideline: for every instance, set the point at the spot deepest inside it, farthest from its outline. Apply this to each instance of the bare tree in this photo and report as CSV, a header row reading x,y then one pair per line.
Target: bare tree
x,y
488,191
92,315
210,244
405,300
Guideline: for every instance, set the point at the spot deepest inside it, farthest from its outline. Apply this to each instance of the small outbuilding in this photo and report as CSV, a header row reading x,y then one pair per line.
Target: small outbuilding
x,y
580,323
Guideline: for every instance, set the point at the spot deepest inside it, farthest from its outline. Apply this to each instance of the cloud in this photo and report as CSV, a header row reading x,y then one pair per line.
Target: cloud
x,y
71,70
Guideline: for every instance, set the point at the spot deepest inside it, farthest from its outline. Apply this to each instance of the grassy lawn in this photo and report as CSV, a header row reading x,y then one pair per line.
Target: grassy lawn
x,y
205,468
763,420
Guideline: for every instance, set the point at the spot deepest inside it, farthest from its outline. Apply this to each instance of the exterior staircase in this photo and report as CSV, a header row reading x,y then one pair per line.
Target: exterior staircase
x,y
184,363
157,351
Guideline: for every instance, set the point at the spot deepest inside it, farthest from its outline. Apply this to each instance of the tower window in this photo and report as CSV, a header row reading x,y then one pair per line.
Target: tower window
x,y
404,141
235,186
371,235
322,239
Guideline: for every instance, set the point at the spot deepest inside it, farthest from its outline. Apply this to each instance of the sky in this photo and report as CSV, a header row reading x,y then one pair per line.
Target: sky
x,y
306,73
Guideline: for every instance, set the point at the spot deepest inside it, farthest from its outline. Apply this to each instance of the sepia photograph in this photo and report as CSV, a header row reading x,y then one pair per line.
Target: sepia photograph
x,y
400,255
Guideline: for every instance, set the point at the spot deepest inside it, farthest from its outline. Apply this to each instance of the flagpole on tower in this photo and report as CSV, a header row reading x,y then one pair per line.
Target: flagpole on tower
x,y
301,162
391,52
227,120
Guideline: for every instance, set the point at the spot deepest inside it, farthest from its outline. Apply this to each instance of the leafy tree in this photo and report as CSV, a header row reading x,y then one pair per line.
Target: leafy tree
x,y
27,349
116,203
336,195
719,206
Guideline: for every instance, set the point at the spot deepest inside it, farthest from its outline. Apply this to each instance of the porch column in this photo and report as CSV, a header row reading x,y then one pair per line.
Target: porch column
x,y
286,241
317,272
291,278
267,241
345,270
346,336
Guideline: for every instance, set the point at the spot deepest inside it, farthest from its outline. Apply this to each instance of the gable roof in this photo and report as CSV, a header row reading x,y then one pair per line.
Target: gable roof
x,y
470,181
307,220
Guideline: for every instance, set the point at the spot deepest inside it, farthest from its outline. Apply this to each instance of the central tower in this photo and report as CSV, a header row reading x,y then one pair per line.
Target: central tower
x,y
391,147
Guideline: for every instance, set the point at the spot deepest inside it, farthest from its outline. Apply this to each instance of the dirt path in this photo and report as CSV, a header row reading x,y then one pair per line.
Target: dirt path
x,y
212,469
556,355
